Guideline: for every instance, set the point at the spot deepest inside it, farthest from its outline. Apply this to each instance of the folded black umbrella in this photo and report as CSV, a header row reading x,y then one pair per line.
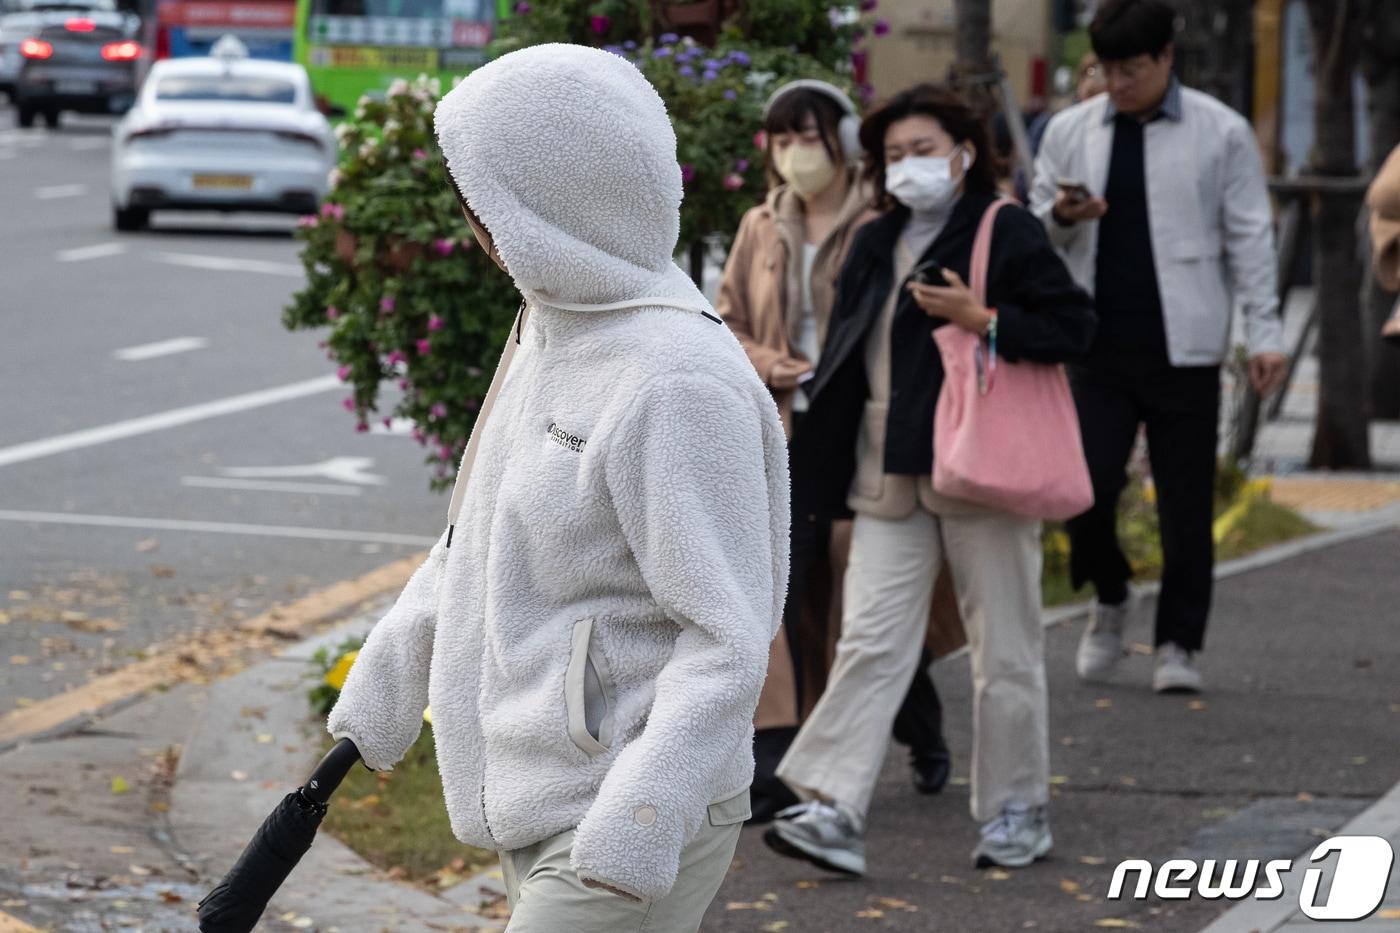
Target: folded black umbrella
x,y
237,902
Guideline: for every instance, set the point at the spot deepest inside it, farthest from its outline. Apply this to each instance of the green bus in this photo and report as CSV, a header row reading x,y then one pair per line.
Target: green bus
x,y
356,47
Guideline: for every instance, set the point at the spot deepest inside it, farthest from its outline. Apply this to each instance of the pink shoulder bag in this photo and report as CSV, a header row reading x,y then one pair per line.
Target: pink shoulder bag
x,y
1006,436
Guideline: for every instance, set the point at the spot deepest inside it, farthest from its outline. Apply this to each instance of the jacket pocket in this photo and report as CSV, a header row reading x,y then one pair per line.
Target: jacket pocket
x,y
588,693
731,810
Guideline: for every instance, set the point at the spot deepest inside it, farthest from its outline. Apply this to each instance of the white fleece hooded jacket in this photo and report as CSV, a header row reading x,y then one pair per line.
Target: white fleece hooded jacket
x,y
594,640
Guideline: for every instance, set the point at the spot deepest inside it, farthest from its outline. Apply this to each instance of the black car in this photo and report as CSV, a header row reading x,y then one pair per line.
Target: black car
x,y
85,62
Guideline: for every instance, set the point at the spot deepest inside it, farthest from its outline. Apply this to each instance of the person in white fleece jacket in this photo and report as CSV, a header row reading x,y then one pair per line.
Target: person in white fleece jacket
x,y
593,632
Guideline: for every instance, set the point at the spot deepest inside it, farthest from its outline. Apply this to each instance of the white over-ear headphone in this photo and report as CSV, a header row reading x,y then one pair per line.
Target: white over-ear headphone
x,y
848,130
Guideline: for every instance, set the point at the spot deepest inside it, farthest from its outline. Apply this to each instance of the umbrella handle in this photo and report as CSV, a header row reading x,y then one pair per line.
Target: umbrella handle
x,y
330,772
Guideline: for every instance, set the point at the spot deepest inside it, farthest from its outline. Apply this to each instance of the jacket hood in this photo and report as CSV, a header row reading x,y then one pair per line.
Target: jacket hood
x,y
567,156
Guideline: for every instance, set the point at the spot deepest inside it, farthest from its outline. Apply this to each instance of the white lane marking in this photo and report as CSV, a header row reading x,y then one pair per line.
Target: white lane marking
x,y
223,528
49,192
341,469
267,485
149,351
33,450
227,264
84,145
96,251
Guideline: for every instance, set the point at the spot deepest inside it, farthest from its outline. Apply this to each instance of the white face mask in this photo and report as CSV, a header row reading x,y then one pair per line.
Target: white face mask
x,y
923,183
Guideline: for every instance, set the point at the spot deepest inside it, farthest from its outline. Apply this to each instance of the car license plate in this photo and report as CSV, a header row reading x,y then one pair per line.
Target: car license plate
x,y
239,182
75,87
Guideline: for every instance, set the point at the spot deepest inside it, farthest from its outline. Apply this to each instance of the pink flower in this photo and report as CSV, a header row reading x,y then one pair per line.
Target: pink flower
x,y
882,26
307,221
522,8
388,422
362,427
467,242
403,385
436,323
687,174
733,182
760,140
330,209
349,404
344,373
444,247
741,165
419,154
386,304
418,436
600,24
438,410
321,344
332,312
425,346
395,356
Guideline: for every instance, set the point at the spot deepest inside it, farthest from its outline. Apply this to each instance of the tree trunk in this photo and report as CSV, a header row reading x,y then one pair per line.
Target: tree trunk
x,y
1380,63
973,43
1341,435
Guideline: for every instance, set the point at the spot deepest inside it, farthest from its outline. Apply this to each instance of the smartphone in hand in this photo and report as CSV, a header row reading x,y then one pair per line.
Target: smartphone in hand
x,y
928,273
1076,192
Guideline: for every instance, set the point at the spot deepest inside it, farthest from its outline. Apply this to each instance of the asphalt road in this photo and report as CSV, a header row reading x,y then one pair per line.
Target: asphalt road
x,y
154,491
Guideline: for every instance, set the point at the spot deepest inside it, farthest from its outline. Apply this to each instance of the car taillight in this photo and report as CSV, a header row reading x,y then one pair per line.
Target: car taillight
x,y
296,137
35,48
121,51
78,24
162,42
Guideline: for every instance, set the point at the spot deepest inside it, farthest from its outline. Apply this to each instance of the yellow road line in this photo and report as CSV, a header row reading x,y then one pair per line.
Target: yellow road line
x,y
165,668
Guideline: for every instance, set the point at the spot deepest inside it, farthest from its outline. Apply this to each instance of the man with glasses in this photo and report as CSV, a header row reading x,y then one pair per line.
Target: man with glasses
x,y
1155,195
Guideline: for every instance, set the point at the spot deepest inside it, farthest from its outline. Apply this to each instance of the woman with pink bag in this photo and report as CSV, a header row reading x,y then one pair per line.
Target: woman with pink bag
x,y
873,450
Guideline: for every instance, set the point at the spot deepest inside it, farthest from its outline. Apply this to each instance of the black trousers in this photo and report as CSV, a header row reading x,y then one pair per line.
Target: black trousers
x,y
1180,406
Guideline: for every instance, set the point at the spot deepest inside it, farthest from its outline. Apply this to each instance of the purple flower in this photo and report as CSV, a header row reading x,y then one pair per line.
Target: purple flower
x,y
388,422
740,58
332,312
425,346
386,304
445,246
867,5
663,52
741,165
629,45
349,404
403,385
686,71
882,26
687,174
436,323
731,94
343,374
615,49
522,8
712,64
599,24
394,357
669,38
438,410
709,76
362,427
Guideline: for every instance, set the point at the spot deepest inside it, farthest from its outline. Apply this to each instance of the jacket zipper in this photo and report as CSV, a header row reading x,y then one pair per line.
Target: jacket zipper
x,y
484,818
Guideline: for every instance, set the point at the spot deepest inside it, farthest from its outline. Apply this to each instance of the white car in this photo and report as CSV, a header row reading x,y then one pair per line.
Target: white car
x,y
221,133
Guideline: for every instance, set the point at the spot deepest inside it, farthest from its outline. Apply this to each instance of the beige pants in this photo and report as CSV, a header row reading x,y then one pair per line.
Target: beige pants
x,y
546,895
995,560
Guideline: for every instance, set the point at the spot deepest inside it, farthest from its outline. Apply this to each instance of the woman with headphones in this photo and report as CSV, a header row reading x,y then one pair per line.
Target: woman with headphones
x,y
776,296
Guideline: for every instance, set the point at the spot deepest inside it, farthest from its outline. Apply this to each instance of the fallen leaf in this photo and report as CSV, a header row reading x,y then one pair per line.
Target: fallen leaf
x,y
302,923
748,905
808,885
363,803
1304,797
1390,913
160,806
13,902
1140,648
1196,704
162,571
952,879
870,913
1103,704
140,871
1117,923
121,850
149,544
82,623
22,702
19,660
1093,860
1358,760
770,897
774,926
894,903
170,897
18,594
998,874
239,775
1056,779
264,739
120,785
1128,781
4,618
959,781
1068,886
1084,897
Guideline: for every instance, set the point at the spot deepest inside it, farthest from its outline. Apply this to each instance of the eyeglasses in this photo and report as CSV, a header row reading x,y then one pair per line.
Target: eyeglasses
x,y
928,146
1129,69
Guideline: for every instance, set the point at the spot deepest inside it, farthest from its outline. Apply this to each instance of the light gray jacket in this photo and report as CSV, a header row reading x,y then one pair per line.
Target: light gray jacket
x,y
1211,222
595,638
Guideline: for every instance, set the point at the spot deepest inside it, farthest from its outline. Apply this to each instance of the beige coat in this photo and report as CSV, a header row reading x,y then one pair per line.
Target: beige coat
x,y
1384,200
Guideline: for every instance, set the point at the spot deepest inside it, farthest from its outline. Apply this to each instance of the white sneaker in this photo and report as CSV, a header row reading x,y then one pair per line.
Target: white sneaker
x,y
1176,671
829,836
1101,645
1015,839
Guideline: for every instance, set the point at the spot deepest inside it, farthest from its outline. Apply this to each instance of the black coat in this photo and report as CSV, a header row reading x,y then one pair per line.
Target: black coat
x,y
1041,316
